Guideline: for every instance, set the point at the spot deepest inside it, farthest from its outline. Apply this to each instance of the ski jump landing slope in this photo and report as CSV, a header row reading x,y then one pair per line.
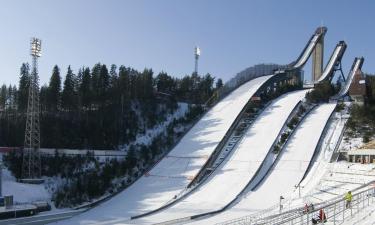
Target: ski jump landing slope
x,y
287,172
174,172
232,176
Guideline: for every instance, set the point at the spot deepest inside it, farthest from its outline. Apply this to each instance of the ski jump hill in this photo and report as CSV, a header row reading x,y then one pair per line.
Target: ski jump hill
x,y
233,161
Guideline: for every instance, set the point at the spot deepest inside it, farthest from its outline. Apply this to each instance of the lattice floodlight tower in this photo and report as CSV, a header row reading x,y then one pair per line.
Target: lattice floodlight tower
x,y
197,53
31,165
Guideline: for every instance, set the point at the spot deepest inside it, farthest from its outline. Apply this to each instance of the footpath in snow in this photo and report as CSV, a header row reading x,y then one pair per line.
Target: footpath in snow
x,y
288,170
239,167
174,172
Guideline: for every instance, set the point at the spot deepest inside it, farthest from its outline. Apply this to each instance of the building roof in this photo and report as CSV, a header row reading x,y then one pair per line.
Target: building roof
x,y
362,152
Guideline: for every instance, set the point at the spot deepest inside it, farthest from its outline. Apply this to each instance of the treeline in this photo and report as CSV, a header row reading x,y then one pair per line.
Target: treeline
x,y
83,178
322,92
98,108
362,117
370,83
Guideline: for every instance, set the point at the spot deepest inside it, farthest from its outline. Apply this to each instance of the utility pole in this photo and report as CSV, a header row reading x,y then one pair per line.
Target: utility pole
x,y
31,165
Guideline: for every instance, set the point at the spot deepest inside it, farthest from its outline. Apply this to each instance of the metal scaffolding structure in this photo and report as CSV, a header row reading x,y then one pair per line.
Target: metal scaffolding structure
x,y
31,165
197,53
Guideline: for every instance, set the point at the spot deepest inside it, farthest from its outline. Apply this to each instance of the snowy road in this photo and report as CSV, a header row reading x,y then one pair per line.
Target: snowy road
x,y
288,171
235,172
170,176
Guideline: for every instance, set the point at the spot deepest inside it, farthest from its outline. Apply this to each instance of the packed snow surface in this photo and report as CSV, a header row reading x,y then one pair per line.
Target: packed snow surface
x,y
287,172
174,172
22,193
239,167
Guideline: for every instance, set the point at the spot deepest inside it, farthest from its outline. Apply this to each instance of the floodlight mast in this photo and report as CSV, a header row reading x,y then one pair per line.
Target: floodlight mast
x,y
31,165
197,53
36,47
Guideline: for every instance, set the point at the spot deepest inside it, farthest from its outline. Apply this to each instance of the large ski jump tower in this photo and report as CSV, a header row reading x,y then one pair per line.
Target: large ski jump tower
x,y
31,165
317,56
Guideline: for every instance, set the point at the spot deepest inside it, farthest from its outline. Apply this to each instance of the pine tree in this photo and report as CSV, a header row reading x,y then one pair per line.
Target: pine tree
x,y
68,95
165,83
85,89
146,84
43,98
23,89
54,90
205,87
124,84
114,88
95,83
103,85
219,83
3,96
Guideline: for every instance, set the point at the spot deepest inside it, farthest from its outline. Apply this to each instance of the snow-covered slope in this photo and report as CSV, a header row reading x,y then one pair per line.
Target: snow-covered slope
x,y
287,172
22,192
236,171
170,176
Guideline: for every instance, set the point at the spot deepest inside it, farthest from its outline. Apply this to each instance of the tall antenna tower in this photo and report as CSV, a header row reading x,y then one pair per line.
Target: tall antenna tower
x,y
197,53
31,165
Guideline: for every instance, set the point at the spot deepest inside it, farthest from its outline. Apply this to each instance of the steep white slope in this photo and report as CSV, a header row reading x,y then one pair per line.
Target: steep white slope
x,y
287,172
235,172
174,172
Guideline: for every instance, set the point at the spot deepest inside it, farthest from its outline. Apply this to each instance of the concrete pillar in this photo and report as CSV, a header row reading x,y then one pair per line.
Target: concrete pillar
x,y
317,60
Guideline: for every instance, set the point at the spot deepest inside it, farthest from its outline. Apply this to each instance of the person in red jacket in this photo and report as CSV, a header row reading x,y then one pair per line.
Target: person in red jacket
x,y
322,216
319,217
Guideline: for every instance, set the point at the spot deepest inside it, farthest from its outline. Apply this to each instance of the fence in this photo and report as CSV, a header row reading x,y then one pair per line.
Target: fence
x,y
335,210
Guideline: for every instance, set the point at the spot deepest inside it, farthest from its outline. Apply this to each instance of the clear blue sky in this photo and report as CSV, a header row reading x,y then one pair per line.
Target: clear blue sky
x,y
161,34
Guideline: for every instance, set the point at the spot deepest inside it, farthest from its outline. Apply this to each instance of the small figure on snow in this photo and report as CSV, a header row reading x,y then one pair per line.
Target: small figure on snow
x,y
348,198
320,217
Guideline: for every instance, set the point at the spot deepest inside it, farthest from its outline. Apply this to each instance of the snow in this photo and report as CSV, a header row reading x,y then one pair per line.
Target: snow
x,y
150,134
240,166
161,184
22,193
364,217
351,143
287,172
332,62
329,143
307,52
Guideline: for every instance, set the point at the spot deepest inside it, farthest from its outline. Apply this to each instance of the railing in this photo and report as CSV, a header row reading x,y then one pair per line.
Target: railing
x,y
337,212
334,209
